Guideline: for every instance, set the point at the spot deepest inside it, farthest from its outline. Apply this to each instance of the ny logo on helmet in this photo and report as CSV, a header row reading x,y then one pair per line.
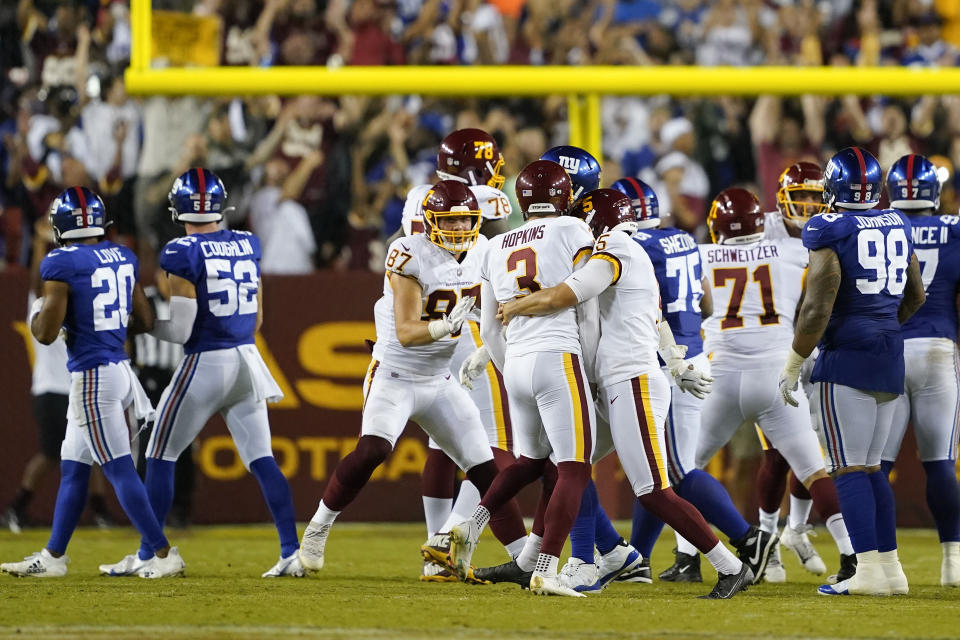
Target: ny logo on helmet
x,y
572,165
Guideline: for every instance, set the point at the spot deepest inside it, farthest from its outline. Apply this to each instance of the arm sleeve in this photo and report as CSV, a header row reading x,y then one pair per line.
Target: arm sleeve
x,y
591,280
588,322
491,331
177,328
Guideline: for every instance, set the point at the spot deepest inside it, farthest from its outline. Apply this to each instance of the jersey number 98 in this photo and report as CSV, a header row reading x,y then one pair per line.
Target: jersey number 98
x,y
887,257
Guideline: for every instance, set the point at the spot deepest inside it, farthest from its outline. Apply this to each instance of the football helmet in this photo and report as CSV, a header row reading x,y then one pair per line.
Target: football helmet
x,y
735,217
607,210
802,176
451,199
912,183
853,179
583,168
77,213
544,188
197,196
471,156
646,205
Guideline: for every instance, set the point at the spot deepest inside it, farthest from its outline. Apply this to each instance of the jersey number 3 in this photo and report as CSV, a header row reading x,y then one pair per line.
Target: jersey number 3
x,y
528,258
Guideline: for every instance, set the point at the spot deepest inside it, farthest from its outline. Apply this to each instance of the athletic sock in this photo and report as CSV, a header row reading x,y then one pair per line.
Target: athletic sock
x,y
685,546
606,536
515,548
159,487
547,564
324,514
435,512
645,531
799,512
768,520
838,531
705,493
481,516
943,498
133,498
276,492
886,514
436,486
71,498
527,559
583,531
859,510
723,560
463,507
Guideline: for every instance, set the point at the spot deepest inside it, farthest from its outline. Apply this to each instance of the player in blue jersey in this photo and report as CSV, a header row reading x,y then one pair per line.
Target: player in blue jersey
x,y
90,290
863,282
686,299
215,309
931,399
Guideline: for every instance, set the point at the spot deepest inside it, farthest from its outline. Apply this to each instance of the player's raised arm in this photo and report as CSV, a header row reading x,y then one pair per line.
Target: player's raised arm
x,y
49,311
913,294
183,312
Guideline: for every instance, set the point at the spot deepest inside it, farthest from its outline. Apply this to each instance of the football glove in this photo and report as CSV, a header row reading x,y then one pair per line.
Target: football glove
x,y
692,380
790,377
473,367
34,310
451,322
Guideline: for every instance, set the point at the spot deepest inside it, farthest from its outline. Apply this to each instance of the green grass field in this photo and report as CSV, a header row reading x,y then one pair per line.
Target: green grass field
x,y
369,589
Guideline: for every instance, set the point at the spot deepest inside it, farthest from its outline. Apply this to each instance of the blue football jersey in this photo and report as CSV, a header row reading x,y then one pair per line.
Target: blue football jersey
x,y
676,262
101,278
224,266
862,346
936,241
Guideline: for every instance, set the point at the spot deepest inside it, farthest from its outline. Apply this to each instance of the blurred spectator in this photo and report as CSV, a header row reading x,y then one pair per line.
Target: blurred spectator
x,y
783,135
930,49
685,181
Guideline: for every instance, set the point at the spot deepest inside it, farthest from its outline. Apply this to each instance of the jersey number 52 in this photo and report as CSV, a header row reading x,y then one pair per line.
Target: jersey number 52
x,y
237,284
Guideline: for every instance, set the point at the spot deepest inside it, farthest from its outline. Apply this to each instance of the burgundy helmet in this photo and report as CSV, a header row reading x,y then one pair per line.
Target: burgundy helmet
x,y
604,210
736,217
544,188
802,176
472,156
450,199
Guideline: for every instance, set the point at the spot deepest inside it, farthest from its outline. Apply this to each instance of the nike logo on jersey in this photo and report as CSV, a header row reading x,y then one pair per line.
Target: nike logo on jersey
x,y
405,247
809,228
169,251
614,398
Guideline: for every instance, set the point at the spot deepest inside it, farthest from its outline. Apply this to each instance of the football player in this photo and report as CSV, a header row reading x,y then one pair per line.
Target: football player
x,y
90,289
216,306
932,393
757,284
620,276
550,403
863,282
431,283
580,165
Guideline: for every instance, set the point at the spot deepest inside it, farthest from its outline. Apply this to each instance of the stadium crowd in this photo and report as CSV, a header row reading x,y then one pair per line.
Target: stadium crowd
x,y
331,174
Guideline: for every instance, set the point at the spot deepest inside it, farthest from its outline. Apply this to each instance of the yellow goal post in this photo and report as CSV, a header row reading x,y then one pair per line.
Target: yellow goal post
x,y
583,85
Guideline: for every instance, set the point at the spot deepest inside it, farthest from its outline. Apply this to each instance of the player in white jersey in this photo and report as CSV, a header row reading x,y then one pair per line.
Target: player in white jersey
x,y
431,283
757,284
633,389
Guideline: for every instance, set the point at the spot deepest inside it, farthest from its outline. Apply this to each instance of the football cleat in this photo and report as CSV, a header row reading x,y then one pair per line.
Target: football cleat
x,y
640,573
578,575
312,544
437,549
129,566
12,520
896,578
950,565
754,550
545,585
869,580
618,560
686,568
506,572
37,565
730,584
463,542
157,567
289,566
775,572
848,567
797,541
433,572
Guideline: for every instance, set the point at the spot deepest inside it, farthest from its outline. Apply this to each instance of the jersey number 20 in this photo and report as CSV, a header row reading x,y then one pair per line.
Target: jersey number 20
x,y
119,285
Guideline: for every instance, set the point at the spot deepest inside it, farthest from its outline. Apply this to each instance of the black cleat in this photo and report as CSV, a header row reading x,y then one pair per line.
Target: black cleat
x,y
754,550
640,574
506,572
730,584
686,568
848,567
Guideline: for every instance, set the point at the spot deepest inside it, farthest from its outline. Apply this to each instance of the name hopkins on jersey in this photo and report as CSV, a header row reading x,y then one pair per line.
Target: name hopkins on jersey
x,y
522,236
748,254
229,248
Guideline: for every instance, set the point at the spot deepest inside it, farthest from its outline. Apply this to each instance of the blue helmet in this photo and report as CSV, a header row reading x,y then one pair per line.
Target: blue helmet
x,y
853,179
198,196
646,205
583,168
912,183
77,213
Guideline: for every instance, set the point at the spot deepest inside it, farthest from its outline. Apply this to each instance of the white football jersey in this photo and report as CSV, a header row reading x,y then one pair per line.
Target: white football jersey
x,y
538,255
629,311
494,205
774,226
444,281
756,288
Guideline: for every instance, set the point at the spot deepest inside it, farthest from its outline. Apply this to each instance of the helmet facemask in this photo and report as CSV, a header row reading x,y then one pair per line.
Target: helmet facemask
x,y
454,241
798,211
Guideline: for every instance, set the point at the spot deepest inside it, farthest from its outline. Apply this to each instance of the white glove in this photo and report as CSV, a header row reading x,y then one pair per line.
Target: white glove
x,y
451,322
693,380
473,367
790,377
34,310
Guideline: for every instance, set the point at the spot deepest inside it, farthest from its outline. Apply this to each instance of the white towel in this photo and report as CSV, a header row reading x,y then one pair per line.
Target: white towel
x,y
142,407
264,386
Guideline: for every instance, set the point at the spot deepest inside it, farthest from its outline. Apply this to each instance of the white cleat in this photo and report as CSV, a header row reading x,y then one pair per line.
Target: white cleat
x,y
312,545
289,566
869,580
37,565
950,565
129,566
797,541
775,571
578,575
621,559
157,567
896,578
544,585
463,542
